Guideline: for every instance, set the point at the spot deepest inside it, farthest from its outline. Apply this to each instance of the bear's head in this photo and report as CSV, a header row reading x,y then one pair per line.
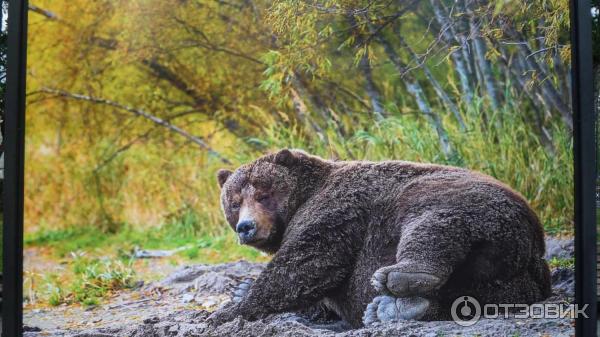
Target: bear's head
x,y
259,198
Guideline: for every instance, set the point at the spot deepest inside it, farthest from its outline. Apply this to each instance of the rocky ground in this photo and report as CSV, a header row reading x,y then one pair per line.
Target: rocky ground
x,y
178,305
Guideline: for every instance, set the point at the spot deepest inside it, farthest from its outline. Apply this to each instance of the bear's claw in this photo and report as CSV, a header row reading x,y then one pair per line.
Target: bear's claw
x,y
390,309
240,291
389,280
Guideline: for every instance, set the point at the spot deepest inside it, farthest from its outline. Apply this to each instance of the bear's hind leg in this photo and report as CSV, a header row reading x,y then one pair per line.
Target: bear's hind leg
x,y
523,288
430,248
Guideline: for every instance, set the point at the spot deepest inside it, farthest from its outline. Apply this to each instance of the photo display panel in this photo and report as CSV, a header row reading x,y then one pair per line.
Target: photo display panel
x,y
343,164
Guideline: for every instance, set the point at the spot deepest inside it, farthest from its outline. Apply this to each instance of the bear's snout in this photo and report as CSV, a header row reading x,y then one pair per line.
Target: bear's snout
x,y
246,230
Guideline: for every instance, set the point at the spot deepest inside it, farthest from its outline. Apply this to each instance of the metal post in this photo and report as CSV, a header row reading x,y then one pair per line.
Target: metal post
x,y
12,292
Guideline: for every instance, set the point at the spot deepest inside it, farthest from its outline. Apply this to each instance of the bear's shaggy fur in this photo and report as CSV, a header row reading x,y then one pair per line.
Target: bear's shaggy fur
x,y
344,232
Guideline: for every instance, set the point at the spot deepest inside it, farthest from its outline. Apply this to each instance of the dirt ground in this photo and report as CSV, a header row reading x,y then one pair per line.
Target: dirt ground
x,y
178,305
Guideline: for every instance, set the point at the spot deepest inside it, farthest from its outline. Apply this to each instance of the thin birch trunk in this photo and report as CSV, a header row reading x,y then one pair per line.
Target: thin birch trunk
x,y
482,63
302,112
546,87
415,89
448,33
318,105
371,87
365,68
460,31
437,87
517,71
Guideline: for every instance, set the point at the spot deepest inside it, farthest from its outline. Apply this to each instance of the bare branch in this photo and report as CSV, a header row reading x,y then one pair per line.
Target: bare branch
x,y
375,31
142,113
48,14
437,87
543,50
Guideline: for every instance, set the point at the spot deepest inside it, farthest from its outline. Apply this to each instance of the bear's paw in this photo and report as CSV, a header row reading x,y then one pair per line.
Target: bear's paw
x,y
392,280
241,290
391,309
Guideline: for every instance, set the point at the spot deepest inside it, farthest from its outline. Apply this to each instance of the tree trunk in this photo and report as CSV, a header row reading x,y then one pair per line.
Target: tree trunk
x,y
317,104
371,88
517,70
460,31
437,87
365,68
482,63
415,89
546,87
448,33
302,113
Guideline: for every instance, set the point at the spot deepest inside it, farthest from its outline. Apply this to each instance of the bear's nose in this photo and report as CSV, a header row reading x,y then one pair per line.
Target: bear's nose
x,y
245,227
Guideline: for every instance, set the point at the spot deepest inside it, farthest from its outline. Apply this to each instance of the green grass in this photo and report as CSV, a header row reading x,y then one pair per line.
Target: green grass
x,y
208,248
561,263
182,229
92,279
99,263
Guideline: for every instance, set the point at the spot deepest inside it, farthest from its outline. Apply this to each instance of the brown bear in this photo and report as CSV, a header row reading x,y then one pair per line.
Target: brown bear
x,y
380,241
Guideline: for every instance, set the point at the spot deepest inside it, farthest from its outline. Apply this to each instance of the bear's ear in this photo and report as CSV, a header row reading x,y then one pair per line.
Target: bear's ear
x,y
222,176
285,157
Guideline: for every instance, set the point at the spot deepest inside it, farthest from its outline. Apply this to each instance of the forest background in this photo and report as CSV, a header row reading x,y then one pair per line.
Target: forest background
x,y
132,107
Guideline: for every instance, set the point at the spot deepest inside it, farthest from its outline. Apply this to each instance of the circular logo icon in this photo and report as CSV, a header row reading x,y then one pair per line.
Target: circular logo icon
x,y
465,311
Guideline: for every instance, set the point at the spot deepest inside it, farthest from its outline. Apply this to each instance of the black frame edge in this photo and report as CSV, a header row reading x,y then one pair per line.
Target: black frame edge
x,y
14,145
584,147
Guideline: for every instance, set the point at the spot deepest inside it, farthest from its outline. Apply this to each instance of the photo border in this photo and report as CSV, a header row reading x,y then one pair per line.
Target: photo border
x,y
584,147
584,153
14,146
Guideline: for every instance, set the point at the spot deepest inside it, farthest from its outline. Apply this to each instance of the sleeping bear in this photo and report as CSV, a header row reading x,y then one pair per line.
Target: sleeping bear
x,y
379,241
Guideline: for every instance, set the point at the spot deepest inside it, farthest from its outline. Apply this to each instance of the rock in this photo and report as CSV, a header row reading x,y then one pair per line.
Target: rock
x,y
209,302
187,298
213,283
28,328
559,248
563,282
184,274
